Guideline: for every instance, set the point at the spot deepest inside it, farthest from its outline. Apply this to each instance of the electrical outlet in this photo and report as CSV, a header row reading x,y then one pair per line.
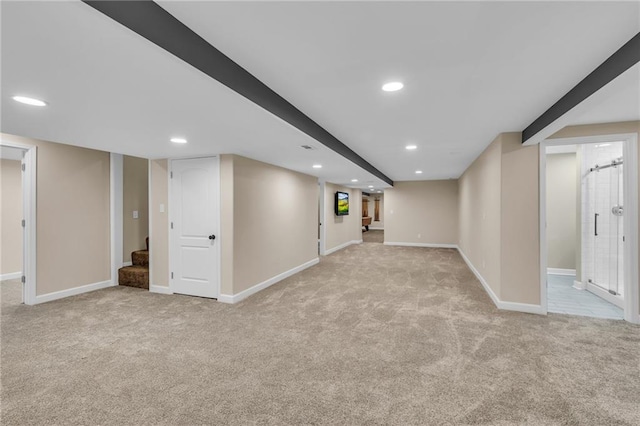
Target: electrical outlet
x,y
135,214
419,235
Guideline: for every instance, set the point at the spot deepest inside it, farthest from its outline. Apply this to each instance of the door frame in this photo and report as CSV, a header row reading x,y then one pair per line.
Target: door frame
x,y
172,201
630,255
29,203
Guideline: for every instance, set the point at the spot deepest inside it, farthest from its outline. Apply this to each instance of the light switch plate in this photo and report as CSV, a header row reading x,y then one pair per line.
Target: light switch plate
x,y
161,208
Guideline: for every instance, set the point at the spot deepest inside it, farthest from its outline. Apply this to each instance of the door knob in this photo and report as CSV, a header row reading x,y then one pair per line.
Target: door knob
x,y
212,237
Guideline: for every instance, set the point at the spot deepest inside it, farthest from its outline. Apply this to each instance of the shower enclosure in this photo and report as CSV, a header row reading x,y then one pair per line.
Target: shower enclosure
x,y
602,220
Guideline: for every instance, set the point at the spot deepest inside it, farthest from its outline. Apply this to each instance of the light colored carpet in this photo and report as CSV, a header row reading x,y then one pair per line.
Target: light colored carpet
x,y
372,335
373,236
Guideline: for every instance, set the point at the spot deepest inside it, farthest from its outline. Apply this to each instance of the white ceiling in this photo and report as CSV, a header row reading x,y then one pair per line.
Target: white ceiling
x,y
471,70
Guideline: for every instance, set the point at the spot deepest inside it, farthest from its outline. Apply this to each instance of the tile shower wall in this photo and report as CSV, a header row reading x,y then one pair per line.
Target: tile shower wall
x,y
601,190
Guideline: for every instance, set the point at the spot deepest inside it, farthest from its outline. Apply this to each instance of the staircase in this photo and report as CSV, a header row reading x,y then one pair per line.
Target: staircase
x,y
136,275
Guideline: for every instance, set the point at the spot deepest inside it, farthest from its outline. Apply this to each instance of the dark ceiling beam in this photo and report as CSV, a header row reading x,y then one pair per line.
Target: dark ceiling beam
x,y
157,25
623,59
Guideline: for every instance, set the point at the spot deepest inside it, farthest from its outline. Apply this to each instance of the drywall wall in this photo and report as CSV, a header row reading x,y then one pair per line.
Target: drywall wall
x,y
275,215
520,221
159,217
499,219
10,216
602,129
341,230
561,210
422,212
73,211
480,214
135,197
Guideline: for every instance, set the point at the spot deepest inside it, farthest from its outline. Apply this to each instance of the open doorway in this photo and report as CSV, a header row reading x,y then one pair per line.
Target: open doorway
x,y
18,219
589,242
372,217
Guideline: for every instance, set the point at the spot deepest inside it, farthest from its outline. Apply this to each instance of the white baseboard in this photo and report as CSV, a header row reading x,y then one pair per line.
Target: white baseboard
x,y
579,285
507,306
73,291
11,276
371,228
125,264
560,271
604,294
235,298
430,245
160,289
341,246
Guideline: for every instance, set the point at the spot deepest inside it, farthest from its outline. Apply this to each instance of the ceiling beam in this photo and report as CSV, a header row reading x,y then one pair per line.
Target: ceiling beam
x,y
157,25
623,59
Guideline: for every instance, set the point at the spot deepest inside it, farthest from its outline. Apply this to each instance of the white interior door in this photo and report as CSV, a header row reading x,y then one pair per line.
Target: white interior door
x,y
195,220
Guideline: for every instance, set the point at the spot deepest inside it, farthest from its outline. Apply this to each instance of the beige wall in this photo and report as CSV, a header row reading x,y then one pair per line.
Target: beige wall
x,y
520,226
159,232
561,210
11,216
73,207
422,212
480,214
135,196
602,129
340,230
275,220
499,218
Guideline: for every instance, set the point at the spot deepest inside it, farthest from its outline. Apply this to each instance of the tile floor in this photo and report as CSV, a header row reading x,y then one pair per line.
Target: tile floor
x,y
562,298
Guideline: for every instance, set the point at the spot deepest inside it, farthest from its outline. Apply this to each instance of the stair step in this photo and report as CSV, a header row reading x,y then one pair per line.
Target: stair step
x,y
134,276
140,258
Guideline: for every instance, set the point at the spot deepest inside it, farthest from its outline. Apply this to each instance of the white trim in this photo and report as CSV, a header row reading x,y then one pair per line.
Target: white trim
x,y
161,289
11,276
507,306
579,285
150,219
235,298
542,224
341,246
371,228
116,182
323,217
124,264
603,294
431,245
29,209
630,176
630,255
73,291
560,271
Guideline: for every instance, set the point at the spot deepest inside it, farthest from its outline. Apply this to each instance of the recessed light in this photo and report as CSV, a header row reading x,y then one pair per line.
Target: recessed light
x,y
418,172
354,180
392,86
317,166
178,140
379,192
370,186
29,101
411,147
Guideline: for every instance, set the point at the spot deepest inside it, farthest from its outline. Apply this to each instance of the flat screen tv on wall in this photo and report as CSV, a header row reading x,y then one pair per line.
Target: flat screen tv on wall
x,y
342,203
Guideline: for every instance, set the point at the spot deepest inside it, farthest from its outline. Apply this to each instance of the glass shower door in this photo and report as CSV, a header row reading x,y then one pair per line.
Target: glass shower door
x,y
607,229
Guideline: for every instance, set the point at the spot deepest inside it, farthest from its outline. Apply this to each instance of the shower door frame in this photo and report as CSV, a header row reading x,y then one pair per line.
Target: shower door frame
x,y
630,190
